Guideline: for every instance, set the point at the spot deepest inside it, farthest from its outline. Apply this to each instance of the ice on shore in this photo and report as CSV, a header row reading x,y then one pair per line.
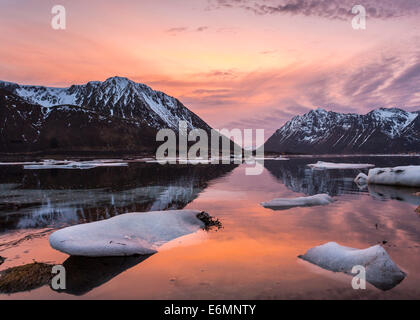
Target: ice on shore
x,y
408,176
74,165
137,233
381,271
332,165
286,203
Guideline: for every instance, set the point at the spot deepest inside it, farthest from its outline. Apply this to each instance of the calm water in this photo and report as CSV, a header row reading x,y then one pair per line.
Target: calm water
x,y
254,256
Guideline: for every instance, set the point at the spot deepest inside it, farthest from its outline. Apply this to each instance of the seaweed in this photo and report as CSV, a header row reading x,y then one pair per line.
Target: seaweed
x,y
209,222
25,278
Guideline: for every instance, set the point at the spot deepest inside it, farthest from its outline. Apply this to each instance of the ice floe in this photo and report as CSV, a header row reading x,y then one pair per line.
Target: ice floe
x,y
285,203
408,176
332,165
28,163
74,165
381,271
46,162
66,164
128,234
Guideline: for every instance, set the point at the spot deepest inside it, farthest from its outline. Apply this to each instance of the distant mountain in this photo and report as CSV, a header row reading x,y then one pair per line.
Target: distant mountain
x,y
117,115
326,132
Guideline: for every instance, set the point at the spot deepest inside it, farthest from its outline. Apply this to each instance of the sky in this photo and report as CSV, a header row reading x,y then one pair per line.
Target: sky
x,y
248,64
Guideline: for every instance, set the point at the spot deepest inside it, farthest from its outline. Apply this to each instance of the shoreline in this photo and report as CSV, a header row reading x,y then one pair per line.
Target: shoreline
x,y
134,156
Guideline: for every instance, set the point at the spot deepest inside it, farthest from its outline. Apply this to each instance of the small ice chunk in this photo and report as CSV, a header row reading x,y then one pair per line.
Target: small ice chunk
x,y
126,235
279,159
361,179
381,271
286,203
408,176
332,165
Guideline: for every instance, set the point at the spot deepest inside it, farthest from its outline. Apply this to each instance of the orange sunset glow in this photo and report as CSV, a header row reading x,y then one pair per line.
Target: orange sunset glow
x,y
203,156
233,66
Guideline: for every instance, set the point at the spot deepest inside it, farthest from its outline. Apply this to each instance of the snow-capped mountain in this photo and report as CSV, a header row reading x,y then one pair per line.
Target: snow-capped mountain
x,y
117,97
117,115
326,132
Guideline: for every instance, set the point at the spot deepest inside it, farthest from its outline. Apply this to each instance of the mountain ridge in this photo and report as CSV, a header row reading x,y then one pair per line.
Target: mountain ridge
x,y
117,96
120,115
383,130
117,115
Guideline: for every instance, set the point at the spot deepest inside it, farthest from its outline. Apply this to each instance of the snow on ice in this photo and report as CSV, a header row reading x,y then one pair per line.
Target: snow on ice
x,y
381,271
125,235
285,203
332,165
408,176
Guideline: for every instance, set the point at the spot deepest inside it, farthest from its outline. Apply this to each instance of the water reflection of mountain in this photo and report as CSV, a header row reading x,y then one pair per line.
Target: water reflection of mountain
x,y
298,177
34,199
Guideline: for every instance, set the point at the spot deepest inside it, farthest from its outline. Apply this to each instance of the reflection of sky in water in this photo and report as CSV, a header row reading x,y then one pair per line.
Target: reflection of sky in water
x,y
255,254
